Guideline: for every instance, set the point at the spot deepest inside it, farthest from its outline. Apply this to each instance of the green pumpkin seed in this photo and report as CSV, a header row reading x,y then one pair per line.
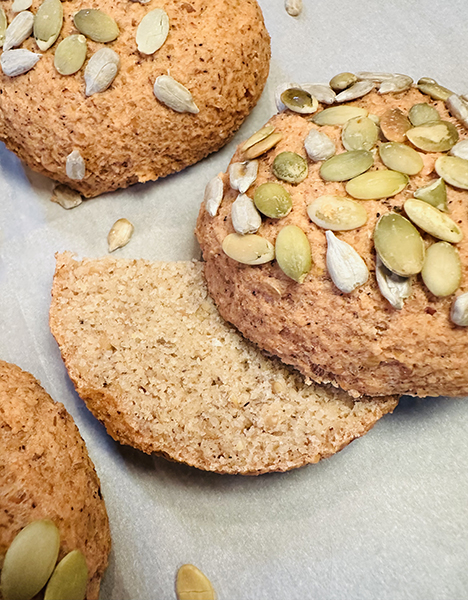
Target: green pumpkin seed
x,y
399,245
69,579
400,157
377,185
263,145
250,249
70,54
3,26
438,136
453,170
273,200
428,86
346,165
459,310
30,560
293,254
338,115
360,133
96,25
394,125
337,213
435,193
258,136
442,272
48,23
433,221
152,31
299,101
342,81
192,584
423,113
290,167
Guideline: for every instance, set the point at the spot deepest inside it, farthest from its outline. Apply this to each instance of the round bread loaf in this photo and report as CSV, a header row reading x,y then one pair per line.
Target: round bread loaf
x,y
219,50
46,473
354,338
153,360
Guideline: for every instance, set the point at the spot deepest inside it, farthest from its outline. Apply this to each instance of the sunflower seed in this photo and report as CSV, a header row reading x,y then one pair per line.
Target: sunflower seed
x,y
66,197
258,136
338,115
428,86
400,157
96,25
293,7
152,31
273,200
337,213
293,254
377,185
70,54
438,136
244,216
75,166
342,81
322,92
18,30
359,89
299,101
460,149
346,268
69,579
360,133
3,26
191,583
459,311
48,23
423,113
393,287
453,170
441,272
346,165
101,70
250,249
319,146
458,107
435,193
290,167
282,87
174,95
213,195
19,5
120,234
432,221
261,147
399,245
243,174
17,62
375,76
394,125
399,83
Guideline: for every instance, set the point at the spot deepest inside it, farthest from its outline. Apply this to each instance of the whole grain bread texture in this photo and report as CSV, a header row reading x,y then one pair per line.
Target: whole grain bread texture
x,y
46,473
153,360
218,49
356,340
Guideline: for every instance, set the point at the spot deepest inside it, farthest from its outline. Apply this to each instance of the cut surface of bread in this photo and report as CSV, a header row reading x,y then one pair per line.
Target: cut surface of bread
x,y
154,361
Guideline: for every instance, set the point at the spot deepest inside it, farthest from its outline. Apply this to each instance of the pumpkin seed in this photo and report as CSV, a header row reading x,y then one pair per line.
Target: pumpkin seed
x,y
30,560
323,93
290,167
398,83
346,165
282,87
101,70
20,5
70,54
400,157
243,174
96,25
377,185
250,249
48,23
273,200
453,170
299,101
342,81
69,579
346,268
338,115
66,197
192,584
174,95
432,221
458,107
293,7
423,113
258,136
393,287
319,146
359,89
441,272
263,146
337,213
394,125
213,195
152,31
459,311
460,149
435,194
399,245
245,217
3,26
428,86
438,136
19,61
18,30
120,234
360,133
75,165
293,255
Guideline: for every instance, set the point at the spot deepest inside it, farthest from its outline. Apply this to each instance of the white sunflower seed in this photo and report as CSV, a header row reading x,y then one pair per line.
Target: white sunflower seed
x,y
458,107
75,166
346,268
66,197
245,217
375,76
152,31
460,149
322,92
17,62
213,195
459,312
3,26
293,7
48,23
18,30
359,89
174,95
319,146
393,287
243,174
19,5
101,70
399,83
120,234
282,87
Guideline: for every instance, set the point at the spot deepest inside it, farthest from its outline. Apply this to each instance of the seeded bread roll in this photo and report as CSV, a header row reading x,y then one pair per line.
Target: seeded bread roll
x,y
356,339
46,473
154,361
218,49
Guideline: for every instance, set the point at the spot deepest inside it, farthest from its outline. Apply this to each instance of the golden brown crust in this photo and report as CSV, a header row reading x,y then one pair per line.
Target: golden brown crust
x,y
45,472
218,49
356,340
